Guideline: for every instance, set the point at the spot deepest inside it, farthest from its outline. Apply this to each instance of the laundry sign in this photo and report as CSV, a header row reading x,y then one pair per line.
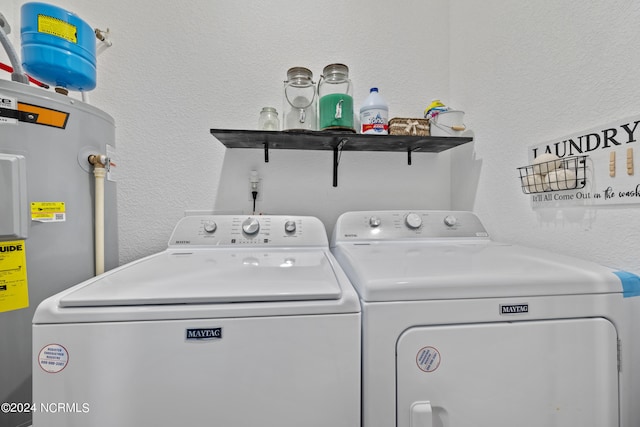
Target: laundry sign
x,y
610,173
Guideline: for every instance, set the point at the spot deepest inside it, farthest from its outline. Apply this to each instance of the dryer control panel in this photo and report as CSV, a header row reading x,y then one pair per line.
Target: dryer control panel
x,y
400,225
248,230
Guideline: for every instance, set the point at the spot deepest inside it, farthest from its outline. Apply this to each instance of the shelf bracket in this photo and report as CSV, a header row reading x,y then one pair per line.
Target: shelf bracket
x,y
409,151
266,152
337,153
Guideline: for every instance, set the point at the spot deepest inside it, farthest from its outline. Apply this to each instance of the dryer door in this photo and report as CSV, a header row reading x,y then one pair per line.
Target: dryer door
x,y
526,374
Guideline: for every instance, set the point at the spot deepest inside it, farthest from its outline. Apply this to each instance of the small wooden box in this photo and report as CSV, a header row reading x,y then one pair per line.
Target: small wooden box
x,y
408,126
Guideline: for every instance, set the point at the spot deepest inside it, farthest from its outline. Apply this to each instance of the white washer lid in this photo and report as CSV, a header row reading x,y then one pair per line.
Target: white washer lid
x,y
212,276
410,271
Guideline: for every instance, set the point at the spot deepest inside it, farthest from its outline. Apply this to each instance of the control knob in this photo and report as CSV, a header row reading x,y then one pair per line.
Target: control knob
x,y
413,221
450,220
290,226
210,227
250,226
374,221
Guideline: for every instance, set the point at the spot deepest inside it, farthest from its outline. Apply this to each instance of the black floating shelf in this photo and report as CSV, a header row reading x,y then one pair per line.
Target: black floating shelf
x,y
334,141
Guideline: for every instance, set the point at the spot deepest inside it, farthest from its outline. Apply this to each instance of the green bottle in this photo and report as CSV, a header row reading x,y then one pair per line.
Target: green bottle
x,y
336,100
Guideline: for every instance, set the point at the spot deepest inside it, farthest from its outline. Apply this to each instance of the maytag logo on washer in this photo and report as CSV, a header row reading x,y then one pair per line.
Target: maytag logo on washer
x,y
204,334
514,308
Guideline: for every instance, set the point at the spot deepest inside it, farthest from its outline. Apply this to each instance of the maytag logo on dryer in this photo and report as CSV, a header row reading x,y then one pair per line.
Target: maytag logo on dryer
x,y
204,334
514,308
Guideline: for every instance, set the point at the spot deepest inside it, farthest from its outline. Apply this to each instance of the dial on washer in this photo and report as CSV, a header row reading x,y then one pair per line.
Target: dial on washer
x,y
210,227
413,221
290,226
250,226
450,220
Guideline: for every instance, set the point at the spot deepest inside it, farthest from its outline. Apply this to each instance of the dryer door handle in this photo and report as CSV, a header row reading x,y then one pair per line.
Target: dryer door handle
x,y
421,414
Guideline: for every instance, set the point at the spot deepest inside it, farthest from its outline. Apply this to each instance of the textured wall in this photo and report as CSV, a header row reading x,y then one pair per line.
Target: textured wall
x,y
525,72
177,69
530,72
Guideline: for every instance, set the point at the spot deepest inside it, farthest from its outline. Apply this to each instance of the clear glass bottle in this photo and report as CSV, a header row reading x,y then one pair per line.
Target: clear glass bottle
x,y
335,93
268,119
299,109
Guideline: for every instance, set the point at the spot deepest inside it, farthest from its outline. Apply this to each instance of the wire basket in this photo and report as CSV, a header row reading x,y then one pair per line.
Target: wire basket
x,y
568,173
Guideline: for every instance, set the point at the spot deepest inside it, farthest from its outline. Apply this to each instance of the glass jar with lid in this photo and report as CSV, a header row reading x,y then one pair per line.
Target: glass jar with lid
x,y
299,109
268,119
335,93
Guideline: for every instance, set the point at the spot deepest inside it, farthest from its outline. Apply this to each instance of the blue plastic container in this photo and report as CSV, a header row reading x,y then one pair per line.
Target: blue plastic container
x,y
58,47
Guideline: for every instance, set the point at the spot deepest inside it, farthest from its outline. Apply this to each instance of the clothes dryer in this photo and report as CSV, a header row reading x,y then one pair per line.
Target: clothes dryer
x,y
462,331
242,321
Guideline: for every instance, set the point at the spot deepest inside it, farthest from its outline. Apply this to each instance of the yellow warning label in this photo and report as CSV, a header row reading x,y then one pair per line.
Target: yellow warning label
x,y
48,211
13,276
58,28
45,116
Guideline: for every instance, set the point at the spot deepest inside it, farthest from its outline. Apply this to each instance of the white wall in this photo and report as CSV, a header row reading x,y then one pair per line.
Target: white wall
x,y
524,72
530,72
177,69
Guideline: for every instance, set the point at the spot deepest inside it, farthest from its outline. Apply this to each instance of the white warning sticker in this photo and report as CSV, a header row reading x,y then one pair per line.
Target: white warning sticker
x,y
53,358
428,359
112,174
7,103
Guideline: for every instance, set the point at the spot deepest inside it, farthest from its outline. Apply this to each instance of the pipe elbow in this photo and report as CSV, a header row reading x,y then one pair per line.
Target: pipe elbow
x,y
98,160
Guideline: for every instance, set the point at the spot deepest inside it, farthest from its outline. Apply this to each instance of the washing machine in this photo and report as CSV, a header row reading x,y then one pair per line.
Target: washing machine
x,y
241,321
463,331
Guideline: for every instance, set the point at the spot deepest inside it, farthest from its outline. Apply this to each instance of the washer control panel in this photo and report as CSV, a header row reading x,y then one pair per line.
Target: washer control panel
x,y
394,225
248,230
